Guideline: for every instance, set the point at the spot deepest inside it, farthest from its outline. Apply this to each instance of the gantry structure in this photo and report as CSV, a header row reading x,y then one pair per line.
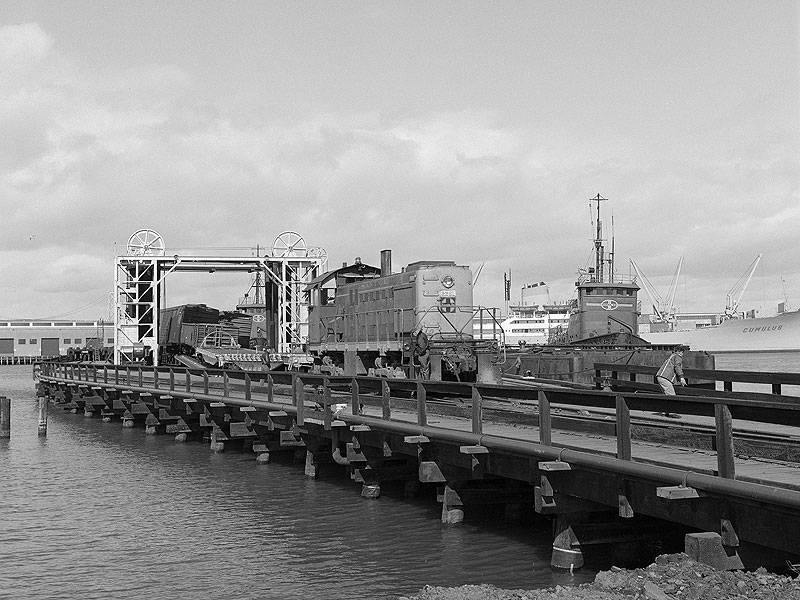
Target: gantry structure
x,y
140,284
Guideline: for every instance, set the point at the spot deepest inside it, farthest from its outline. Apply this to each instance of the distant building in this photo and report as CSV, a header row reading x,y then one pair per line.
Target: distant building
x,y
52,338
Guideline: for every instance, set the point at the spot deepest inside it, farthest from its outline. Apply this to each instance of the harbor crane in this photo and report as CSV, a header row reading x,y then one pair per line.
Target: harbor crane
x,y
734,295
663,308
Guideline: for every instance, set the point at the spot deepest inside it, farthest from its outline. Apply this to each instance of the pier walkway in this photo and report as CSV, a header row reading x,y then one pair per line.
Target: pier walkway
x,y
583,457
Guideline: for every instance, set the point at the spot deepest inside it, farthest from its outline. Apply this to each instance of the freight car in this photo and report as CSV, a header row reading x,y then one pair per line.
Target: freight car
x,y
417,323
217,337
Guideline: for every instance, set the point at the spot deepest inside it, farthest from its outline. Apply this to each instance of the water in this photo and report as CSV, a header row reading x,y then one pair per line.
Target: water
x,y
780,362
98,511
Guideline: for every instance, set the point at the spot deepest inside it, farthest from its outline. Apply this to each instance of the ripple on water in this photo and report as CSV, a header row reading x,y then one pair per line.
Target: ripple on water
x,y
97,511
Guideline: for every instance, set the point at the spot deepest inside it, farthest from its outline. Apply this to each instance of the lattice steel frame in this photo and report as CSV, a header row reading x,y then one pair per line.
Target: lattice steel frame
x,y
139,285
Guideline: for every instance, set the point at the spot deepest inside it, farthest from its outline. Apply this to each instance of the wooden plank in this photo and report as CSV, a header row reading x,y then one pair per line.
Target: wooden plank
x,y
554,465
416,439
473,450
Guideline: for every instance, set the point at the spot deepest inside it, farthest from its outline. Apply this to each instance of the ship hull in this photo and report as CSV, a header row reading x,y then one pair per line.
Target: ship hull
x,y
780,333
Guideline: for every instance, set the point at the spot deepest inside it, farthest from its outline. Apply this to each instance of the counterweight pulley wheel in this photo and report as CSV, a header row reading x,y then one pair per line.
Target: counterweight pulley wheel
x,y
146,242
289,244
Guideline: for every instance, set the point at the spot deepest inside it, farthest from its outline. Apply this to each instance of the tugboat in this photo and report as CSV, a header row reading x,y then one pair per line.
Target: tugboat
x,y
602,328
606,312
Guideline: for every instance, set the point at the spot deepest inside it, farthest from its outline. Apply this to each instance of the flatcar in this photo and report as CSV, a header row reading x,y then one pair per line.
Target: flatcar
x,y
365,320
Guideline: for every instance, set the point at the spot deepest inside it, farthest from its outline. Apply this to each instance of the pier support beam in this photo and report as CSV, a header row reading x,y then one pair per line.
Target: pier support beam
x,y
567,554
5,417
216,436
452,507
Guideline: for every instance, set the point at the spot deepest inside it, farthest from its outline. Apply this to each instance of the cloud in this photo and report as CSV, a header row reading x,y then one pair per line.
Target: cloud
x,y
20,44
95,156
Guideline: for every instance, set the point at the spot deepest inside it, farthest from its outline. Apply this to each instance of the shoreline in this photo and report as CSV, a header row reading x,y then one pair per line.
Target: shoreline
x,y
670,577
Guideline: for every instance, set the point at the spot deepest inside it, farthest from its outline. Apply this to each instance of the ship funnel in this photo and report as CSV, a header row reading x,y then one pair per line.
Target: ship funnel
x,y
386,263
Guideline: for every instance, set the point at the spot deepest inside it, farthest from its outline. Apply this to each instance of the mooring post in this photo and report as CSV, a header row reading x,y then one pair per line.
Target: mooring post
x,y
43,402
5,417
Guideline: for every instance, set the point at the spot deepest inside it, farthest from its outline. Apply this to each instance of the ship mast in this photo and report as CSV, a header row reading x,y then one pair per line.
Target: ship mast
x,y
598,243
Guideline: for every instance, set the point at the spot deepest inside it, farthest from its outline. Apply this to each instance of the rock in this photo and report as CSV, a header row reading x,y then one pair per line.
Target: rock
x,y
653,592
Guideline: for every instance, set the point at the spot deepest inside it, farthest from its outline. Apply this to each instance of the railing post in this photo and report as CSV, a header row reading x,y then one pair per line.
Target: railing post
x,y
386,402
116,374
155,376
94,373
141,376
205,382
598,377
724,423
188,380
355,401
269,388
105,374
776,388
171,379
477,411
326,404
248,391
545,423
225,391
299,400
422,409
623,429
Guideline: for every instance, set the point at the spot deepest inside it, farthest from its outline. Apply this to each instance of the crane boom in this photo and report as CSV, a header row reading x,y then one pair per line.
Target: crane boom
x,y
734,295
655,298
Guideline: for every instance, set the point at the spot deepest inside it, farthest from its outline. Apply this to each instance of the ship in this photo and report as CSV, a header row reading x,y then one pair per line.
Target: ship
x,y
779,333
602,327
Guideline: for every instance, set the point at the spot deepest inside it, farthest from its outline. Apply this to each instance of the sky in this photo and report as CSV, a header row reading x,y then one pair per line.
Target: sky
x,y
473,132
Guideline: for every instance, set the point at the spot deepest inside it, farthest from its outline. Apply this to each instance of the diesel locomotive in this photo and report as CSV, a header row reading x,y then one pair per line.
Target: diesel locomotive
x,y
418,323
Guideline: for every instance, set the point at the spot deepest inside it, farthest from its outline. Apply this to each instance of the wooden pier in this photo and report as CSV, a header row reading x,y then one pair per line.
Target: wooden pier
x,y
486,444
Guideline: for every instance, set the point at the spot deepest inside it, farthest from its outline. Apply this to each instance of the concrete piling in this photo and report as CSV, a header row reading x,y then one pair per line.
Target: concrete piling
x,y
5,417
43,402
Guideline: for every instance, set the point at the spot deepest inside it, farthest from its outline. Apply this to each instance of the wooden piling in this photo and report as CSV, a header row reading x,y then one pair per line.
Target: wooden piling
x,y
5,417
43,402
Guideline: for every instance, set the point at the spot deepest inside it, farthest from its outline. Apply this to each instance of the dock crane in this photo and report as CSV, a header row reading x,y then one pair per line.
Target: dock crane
x,y
734,295
663,308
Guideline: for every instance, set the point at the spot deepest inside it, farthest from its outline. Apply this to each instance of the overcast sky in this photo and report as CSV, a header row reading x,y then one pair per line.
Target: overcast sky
x,y
470,131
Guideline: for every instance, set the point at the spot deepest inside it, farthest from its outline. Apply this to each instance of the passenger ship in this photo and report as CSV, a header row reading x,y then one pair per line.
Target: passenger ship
x,y
536,320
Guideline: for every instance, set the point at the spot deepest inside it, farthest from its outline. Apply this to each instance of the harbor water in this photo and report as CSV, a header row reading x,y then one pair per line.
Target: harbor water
x,y
97,511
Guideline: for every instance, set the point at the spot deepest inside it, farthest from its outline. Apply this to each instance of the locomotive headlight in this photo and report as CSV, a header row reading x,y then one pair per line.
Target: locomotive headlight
x,y
448,281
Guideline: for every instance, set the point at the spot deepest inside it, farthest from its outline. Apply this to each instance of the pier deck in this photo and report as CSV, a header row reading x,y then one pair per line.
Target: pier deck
x,y
482,444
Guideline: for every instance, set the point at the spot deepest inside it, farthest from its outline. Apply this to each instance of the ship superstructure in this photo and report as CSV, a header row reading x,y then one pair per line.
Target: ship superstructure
x,y
605,312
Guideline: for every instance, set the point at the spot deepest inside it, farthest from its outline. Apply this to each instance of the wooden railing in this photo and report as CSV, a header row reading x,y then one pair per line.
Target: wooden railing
x,y
646,374
257,388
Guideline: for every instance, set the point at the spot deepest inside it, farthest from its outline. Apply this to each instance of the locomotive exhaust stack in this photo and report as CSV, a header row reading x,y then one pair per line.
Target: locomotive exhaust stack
x,y
386,263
